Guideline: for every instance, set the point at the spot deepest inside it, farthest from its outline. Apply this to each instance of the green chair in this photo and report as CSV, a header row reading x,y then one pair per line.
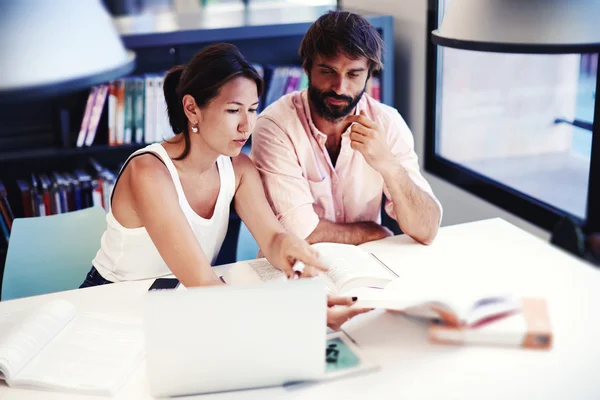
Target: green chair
x,y
247,248
51,254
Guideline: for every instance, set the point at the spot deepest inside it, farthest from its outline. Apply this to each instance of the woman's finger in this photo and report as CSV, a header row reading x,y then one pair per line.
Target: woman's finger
x,y
353,312
309,272
340,301
337,316
308,257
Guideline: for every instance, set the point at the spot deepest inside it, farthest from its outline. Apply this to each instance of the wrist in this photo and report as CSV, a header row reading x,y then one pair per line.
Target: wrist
x,y
392,171
274,245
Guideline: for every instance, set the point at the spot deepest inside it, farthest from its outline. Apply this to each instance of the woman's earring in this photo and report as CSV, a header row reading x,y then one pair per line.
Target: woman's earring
x,y
195,128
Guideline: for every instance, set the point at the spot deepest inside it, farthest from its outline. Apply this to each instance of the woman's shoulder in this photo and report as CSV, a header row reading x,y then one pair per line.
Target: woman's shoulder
x,y
147,166
242,165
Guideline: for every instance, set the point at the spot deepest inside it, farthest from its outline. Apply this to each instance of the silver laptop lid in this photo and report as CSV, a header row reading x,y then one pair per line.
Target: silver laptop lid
x,y
234,337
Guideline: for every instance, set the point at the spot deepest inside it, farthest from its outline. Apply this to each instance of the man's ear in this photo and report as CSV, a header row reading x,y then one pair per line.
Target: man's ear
x,y
306,68
191,110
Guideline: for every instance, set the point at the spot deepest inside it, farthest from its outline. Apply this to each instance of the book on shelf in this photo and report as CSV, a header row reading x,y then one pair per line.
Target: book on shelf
x,y
57,192
87,116
54,347
6,214
96,113
350,268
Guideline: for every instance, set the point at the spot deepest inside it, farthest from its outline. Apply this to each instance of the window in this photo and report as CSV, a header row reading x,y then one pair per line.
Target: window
x,y
515,129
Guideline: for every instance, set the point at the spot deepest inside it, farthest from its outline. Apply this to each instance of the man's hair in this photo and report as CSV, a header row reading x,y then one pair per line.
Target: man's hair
x,y
342,32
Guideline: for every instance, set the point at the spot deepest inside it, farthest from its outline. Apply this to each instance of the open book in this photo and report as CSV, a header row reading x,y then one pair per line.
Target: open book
x,y
432,299
349,268
52,348
529,328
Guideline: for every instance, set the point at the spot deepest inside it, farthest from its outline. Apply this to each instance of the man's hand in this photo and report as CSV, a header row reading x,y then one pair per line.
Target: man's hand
x,y
367,138
337,316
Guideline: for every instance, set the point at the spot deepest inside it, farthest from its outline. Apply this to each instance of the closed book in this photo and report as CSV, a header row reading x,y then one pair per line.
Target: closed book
x,y
86,116
138,108
96,114
26,199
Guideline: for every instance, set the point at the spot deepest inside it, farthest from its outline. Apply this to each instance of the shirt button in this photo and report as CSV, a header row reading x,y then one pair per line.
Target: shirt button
x,y
338,212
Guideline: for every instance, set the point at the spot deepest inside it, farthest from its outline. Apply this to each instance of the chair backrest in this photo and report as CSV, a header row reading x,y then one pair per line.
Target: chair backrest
x,y
247,248
51,254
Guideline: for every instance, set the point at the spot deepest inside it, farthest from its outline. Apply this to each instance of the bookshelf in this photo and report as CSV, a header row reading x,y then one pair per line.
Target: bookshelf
x,y
40,136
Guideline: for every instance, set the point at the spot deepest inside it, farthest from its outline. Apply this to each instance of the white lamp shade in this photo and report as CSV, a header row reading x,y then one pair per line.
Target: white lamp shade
x,y
521,26
52,47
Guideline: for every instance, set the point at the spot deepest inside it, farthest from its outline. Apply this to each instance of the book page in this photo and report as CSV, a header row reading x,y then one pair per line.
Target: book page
x,y
351,267
253,271
7,323
29,333
94,354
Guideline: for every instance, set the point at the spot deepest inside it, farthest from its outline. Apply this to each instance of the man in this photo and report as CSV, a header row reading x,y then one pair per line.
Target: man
x,y
326,154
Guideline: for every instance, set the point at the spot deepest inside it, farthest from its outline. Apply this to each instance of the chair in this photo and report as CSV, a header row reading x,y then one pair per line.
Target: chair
x,y
247,248
51,254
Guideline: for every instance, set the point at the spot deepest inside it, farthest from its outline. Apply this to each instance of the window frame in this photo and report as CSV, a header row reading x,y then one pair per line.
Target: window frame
x,y
529,208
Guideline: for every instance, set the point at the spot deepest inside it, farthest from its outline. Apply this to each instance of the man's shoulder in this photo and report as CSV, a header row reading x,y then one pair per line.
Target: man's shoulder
x,y
281,110
282,118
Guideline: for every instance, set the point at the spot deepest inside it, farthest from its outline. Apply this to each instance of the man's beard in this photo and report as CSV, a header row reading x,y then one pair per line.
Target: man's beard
x,y
328,111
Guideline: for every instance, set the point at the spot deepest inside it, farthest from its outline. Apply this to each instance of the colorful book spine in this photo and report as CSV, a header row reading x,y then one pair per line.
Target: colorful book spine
x,y
128,111
96,114
87,116
138,109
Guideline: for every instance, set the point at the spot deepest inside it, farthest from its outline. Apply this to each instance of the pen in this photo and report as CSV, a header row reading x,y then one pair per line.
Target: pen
x,y
298,268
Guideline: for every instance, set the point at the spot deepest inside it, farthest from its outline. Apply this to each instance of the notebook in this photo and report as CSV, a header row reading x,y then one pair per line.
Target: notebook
x,y
53,347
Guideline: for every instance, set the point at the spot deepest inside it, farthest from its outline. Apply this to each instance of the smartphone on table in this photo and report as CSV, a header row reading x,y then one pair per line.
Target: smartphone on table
x,y
164,284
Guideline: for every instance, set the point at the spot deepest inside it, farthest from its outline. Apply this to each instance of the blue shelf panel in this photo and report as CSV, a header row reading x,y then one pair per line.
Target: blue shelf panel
x,y
208,25
266,36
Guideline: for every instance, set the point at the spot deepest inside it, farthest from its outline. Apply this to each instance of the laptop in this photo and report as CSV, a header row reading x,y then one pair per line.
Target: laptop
x,y
214,339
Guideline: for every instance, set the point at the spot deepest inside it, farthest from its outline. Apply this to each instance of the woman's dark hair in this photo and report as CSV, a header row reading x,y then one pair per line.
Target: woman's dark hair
x,y
202,78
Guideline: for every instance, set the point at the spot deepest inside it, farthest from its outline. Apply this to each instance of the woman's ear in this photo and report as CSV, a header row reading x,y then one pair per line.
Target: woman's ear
x,y
192,112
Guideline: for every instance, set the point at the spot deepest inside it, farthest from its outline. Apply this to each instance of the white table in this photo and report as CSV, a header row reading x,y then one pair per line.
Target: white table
x,y
411,367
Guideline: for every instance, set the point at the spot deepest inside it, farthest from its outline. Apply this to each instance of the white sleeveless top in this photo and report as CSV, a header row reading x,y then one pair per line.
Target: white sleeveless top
x,y
129,254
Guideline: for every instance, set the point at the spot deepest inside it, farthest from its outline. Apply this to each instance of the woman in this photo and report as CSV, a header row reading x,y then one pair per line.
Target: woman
x,y
170,206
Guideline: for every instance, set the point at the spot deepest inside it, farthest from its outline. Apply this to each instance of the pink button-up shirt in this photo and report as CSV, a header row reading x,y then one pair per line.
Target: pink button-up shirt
x,y
301,183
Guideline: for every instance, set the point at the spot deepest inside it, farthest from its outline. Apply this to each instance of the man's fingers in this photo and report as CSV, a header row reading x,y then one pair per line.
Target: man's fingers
x,y
361,119
357,137
360,129
354,145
